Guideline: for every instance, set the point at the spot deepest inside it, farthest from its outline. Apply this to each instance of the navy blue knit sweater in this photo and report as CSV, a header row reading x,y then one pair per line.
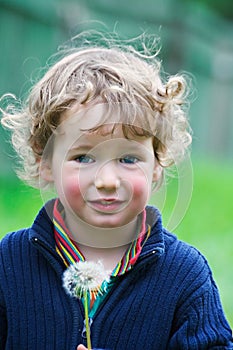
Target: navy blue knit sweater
x,y
167,301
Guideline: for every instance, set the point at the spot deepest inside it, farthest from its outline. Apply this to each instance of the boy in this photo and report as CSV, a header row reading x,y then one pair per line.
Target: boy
x,y
100,127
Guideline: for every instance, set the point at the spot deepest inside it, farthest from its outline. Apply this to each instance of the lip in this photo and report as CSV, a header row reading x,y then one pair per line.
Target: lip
x,y
107,205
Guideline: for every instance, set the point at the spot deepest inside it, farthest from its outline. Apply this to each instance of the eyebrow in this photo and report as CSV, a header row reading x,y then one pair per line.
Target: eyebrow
x,y
82,147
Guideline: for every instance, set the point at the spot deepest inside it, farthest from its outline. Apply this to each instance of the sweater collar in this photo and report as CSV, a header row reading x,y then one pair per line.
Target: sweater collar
x,y
155,244
42,229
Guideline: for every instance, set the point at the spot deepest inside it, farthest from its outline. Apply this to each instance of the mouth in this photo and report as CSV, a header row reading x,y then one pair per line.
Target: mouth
x,y
110,205
107,201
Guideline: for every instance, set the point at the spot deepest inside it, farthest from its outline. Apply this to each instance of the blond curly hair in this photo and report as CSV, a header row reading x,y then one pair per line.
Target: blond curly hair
x,y
113,73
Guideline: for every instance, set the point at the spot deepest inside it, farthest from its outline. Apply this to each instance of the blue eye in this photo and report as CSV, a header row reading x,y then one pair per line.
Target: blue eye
x,y
129,160
83,158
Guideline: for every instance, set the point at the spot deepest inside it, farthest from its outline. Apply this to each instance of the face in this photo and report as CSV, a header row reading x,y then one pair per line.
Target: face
x,y
105,181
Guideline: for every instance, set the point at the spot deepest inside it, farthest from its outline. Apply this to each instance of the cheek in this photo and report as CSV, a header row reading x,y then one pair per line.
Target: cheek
x,y
139,196
140,188
71,185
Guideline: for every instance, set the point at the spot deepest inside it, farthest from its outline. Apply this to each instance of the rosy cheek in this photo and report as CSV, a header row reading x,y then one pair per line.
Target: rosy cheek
x,y
140,189
72,186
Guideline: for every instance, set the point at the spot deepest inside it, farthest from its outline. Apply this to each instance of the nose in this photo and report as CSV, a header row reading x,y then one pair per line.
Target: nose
x,y
107,177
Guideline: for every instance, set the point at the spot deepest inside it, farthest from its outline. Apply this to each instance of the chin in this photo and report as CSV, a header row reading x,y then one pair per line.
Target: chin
x,y
111,223
107,225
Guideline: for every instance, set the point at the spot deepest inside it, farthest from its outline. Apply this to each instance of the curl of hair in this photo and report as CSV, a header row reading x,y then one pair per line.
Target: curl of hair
x,y
125,73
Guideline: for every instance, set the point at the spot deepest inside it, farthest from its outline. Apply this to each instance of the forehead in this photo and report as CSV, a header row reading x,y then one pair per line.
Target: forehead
x,y
101,118
110,145
108,135
85,129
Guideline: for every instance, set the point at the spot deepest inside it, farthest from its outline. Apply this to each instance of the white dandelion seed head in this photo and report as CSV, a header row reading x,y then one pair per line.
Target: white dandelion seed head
x,y
84,276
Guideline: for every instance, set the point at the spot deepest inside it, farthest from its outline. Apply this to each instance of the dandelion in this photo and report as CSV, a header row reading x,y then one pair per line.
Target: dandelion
x,y
82,278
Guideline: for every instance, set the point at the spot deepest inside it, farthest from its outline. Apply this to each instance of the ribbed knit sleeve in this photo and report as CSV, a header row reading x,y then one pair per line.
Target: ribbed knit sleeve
x,y
201,326
199,321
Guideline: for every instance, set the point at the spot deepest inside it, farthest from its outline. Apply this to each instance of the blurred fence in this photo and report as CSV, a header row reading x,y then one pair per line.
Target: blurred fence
x,y
193,38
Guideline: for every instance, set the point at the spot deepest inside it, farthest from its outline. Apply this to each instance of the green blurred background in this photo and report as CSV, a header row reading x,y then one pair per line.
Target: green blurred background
x,y
197,37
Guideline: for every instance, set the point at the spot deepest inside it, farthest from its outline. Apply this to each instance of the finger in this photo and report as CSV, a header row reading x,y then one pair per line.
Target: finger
x,y
81,347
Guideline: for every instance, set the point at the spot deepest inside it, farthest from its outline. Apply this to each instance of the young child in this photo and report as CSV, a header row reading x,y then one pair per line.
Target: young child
x,y
100,127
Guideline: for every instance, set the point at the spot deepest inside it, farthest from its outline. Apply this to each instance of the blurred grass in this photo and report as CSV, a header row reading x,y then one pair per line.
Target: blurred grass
x,y
207,224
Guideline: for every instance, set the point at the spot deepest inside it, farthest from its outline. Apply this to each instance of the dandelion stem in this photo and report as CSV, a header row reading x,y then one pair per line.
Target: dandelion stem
x,y
82,278
88,333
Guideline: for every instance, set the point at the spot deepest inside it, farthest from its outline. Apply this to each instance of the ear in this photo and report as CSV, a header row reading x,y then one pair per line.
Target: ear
x,y
157,173
46,171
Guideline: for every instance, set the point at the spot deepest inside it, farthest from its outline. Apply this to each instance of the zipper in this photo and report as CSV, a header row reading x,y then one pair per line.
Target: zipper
x,y
84,330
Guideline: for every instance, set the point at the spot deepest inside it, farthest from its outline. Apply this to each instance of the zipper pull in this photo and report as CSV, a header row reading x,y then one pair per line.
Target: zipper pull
x,y
84,333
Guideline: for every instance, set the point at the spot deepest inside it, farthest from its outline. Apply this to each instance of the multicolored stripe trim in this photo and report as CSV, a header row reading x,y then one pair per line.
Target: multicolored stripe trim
x,y
131,255
66,248
70,253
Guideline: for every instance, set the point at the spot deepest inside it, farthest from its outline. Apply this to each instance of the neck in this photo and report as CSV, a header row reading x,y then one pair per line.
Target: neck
x,y
109,257
102,238
105,244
